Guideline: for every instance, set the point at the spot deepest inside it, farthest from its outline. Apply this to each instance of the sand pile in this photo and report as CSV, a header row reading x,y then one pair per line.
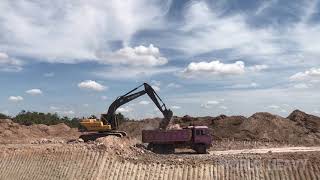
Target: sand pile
x,y
120,146
307,121
265,126
300,129
11,132
134,128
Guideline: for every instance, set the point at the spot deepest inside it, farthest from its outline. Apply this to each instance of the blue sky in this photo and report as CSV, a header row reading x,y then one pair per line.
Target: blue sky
x,y
203,57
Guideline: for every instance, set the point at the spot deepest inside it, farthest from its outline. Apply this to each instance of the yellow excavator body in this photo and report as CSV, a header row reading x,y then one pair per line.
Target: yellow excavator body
x,y
95,125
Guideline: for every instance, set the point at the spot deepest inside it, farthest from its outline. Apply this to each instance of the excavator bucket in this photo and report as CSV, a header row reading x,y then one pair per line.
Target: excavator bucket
x,y
166,120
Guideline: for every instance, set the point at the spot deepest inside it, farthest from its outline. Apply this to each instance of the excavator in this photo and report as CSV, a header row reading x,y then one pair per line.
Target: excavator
x,y
109,124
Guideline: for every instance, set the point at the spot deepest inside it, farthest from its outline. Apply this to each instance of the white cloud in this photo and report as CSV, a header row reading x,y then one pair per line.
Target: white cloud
x,y
3,56
70,112
49,74
34,91
73,31
144,102
6,112
258,68
213,102
274,107
104,97
223,107
208,27
301,86
209,104
204,25
307,75
156,85
91,85
251,85
133,72
15,98
214,68
137,56
175,107
53,108
156,88
65,112
265,5
125,109
174,85
9,64
206,106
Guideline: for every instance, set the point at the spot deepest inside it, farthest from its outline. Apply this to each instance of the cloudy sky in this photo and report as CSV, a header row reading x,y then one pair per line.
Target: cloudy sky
x,y
203,57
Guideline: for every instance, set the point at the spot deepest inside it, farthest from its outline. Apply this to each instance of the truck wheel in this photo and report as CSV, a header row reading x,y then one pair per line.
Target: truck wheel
x,y
157,148
150,147
163,148
201,149
170,149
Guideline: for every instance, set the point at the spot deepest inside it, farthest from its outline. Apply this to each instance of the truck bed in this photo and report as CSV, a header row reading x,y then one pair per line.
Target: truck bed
x,y
166,136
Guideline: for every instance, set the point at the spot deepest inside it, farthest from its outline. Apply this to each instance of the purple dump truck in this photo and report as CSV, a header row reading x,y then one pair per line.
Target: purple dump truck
x,y
197,138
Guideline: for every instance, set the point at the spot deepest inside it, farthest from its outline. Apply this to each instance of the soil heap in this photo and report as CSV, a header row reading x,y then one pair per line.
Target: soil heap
x,y
11,132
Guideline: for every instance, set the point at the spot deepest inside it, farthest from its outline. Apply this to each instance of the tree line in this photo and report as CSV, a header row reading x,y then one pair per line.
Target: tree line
x,y
28,118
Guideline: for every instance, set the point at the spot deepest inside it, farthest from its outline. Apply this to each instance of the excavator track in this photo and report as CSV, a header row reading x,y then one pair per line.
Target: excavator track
x,y
94,136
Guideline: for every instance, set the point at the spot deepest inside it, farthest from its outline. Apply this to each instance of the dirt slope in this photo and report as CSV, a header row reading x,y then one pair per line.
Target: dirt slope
x,y
11,132
268,127
305,120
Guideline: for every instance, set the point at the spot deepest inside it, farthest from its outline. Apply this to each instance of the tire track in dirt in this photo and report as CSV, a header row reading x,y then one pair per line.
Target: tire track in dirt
x,y
86,164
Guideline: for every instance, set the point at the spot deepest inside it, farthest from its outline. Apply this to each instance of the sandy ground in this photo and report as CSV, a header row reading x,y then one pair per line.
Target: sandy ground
x,y
267,150
91,161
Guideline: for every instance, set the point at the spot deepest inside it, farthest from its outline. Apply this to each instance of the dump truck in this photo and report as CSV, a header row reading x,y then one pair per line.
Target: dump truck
x,y
161,141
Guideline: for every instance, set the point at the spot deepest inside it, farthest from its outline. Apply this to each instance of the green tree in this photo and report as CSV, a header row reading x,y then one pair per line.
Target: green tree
x,y
29,118
3,116
121,118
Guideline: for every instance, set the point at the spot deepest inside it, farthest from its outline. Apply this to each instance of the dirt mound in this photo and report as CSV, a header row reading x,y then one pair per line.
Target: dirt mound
x,y
262,127
305,120
121,145
224,127
11,132
134,128
268,127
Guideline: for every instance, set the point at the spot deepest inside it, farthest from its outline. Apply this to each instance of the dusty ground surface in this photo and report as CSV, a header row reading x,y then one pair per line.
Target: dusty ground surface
x,y
263,146
122,160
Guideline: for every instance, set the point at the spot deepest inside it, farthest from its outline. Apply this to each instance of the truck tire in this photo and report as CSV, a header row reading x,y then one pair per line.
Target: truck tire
x,y
201,149
163,148
150,147
170,149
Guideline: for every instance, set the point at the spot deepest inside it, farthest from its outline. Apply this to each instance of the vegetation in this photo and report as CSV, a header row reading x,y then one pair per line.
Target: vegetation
x,y
121,118
28,118
3,116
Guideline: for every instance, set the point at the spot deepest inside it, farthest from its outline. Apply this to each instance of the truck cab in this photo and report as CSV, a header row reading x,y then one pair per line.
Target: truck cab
x,y
201,138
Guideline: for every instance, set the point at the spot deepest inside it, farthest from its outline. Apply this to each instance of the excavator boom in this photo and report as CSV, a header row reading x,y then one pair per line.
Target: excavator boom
x,y
108,123
110,117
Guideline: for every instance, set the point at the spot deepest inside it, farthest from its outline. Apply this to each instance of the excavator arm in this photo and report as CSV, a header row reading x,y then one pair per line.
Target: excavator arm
x,y
110,117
